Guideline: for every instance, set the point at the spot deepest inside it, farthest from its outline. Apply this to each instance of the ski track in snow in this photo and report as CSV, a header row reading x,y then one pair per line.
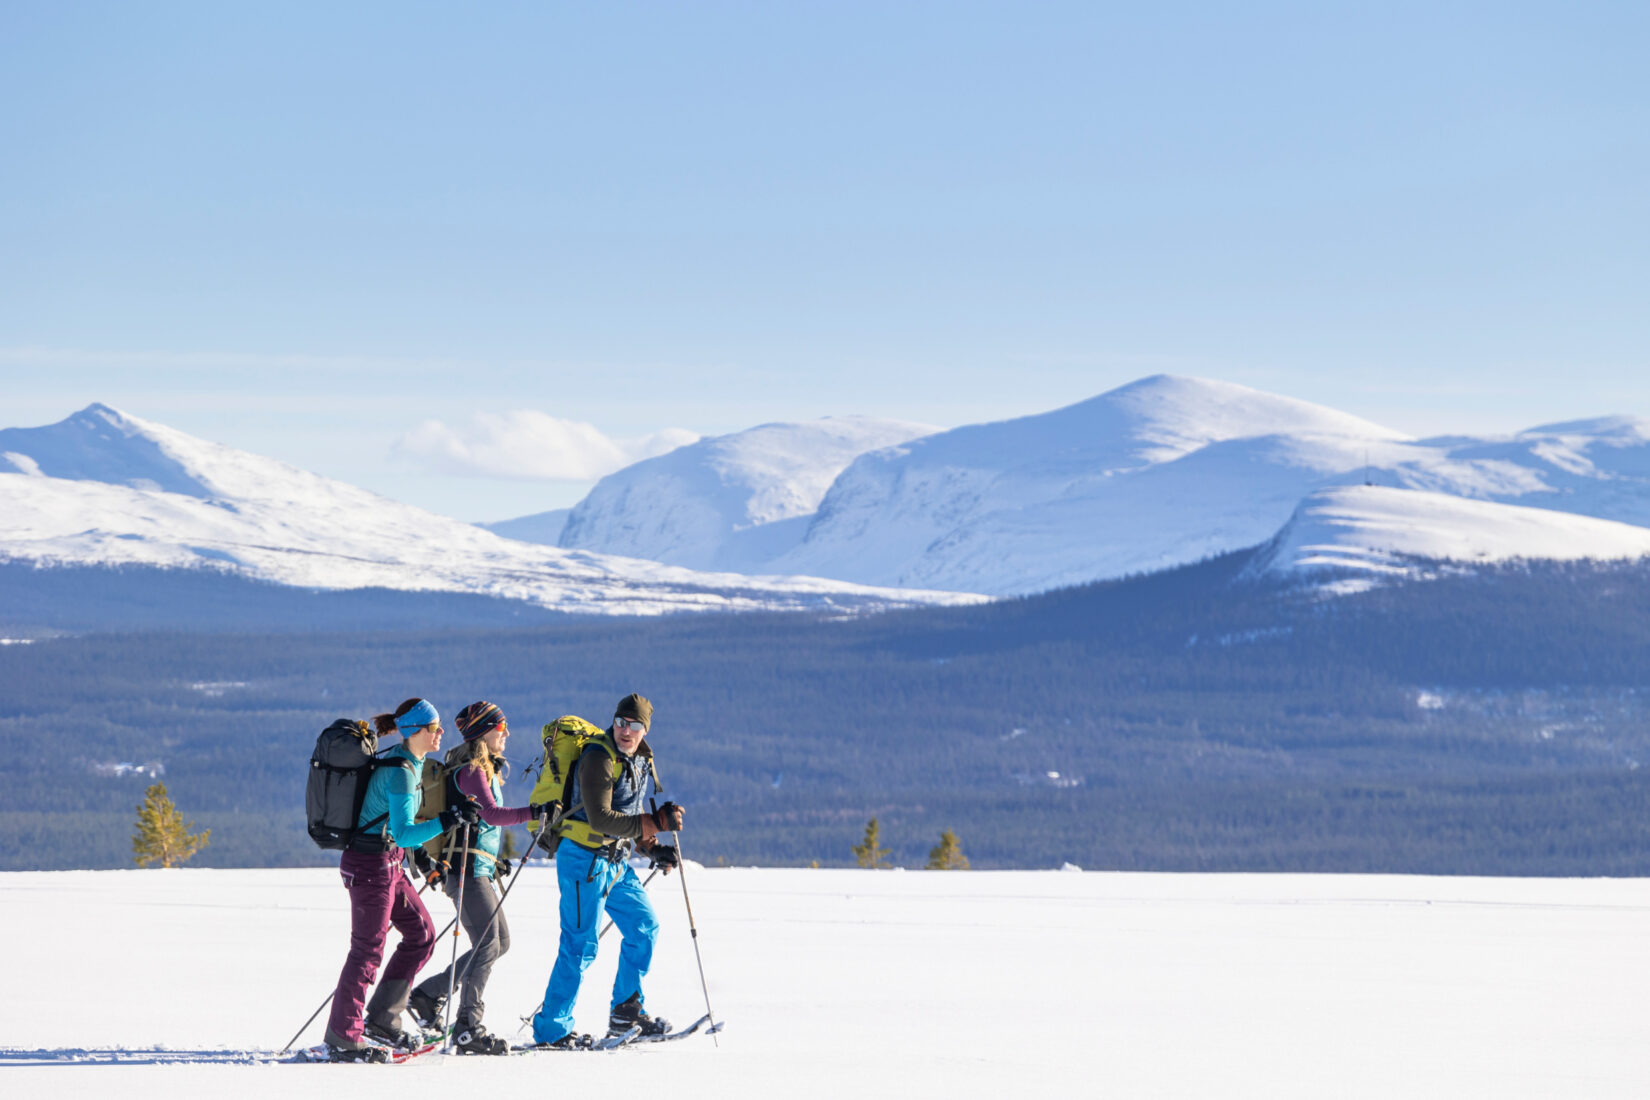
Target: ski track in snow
x,y
833,983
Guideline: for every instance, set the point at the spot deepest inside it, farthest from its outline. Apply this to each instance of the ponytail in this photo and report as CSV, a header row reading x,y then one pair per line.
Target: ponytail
x,y
385,723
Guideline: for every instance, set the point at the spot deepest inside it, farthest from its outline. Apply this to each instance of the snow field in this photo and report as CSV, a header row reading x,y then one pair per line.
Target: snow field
x,y
857,983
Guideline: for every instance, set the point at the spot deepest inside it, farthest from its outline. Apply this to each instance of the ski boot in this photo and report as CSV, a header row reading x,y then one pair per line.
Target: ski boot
x,y
631,1014
571,1041
368,1054
474,1039
425,1009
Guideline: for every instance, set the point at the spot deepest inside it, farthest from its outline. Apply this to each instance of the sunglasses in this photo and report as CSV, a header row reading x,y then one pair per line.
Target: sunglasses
x,y
629,723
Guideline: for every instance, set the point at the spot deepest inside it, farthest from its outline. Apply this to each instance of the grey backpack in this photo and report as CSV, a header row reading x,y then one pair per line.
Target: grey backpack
x,y
339,768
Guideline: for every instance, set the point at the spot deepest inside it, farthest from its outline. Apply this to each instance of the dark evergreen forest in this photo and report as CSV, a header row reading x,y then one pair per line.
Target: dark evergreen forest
x,y
1490,722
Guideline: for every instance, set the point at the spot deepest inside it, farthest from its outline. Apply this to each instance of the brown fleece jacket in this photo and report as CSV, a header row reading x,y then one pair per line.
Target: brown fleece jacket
x,y
596,791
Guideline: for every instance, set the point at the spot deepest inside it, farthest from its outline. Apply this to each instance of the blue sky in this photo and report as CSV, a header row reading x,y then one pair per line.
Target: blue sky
x,y
309,230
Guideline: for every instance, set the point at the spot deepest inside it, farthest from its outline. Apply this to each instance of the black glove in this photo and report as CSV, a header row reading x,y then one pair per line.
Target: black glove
x,y
545,809
426,866
547,841
665,856
668,818
502,868
458,813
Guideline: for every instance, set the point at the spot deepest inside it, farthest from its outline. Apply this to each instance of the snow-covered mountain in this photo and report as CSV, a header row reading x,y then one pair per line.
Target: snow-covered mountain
x,y
1166,471
731,502
1154,474
1369,531
1158,473
102,488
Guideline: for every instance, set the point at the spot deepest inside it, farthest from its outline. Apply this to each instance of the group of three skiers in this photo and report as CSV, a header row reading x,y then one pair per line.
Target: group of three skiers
x,y
606,818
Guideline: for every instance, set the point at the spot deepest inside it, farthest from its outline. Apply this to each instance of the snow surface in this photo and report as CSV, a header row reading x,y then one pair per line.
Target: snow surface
x,y
109,489
1370,529
864,983
721,503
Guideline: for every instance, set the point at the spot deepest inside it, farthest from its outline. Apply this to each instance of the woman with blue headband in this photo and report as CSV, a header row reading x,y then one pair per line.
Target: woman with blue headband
x,y
381,894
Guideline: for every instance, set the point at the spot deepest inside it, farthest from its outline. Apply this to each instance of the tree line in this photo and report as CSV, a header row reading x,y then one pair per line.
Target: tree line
x,y
1488,722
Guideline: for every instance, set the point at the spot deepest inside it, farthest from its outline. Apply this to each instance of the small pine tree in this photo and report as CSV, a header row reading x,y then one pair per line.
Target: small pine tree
x,y
507,846
161,835
871,853
947,855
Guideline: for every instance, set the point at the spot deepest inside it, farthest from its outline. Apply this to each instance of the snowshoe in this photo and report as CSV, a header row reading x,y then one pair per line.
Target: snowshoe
x,y
631,1014
395,1038
571,1041
377,1055
425,1009
475,1039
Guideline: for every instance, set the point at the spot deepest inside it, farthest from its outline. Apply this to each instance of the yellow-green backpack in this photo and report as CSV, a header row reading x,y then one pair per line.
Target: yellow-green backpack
x,y
565,740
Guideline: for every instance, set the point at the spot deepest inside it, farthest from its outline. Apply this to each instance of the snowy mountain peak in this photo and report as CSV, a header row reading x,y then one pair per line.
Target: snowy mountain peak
x,y
103,444
1160,471
1169,415
731,501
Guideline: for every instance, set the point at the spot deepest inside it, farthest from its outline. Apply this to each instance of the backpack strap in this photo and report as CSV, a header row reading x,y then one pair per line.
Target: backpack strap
x,y
382,821
579,832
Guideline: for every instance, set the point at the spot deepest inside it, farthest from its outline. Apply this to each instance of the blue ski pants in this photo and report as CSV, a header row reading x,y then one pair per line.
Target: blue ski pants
x,y
589,884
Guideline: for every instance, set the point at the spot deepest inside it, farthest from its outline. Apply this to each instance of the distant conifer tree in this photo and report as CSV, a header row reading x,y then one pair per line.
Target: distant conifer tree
x,y
507,846
161,835
871,853
947,855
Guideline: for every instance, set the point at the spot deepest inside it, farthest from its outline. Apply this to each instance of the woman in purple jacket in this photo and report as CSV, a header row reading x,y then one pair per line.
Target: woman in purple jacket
x,y
478,768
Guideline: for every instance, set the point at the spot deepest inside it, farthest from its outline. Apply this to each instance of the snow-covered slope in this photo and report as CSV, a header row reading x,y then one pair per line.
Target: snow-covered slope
x,y
1597,468
840,983
1381,532
731,502
1157,473
103,488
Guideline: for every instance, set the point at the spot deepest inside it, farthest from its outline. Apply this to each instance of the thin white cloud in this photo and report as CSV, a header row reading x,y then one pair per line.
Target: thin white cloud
x,y
530,445
218,361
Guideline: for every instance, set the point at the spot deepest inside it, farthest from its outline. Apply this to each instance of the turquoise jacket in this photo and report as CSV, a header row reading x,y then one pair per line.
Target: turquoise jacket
x,y
488,838
393,790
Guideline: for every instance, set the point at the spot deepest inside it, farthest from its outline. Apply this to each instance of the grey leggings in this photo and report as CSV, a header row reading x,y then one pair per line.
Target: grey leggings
x,y
480,903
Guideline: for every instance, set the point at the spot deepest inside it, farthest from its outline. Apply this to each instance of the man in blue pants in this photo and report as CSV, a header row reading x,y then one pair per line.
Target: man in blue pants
x,y
608,796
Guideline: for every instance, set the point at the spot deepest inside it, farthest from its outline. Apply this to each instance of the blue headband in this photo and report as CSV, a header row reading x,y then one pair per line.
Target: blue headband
x,y
423,714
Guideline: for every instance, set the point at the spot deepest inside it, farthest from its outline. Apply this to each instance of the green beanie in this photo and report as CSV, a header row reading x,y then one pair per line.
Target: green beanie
x,y
637,707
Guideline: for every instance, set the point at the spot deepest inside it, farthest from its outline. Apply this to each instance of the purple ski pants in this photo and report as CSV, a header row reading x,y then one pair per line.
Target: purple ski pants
x,y
380,894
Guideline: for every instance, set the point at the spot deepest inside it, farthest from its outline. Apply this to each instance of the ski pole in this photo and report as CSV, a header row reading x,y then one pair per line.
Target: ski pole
x,y
682,871
452,967
334,993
